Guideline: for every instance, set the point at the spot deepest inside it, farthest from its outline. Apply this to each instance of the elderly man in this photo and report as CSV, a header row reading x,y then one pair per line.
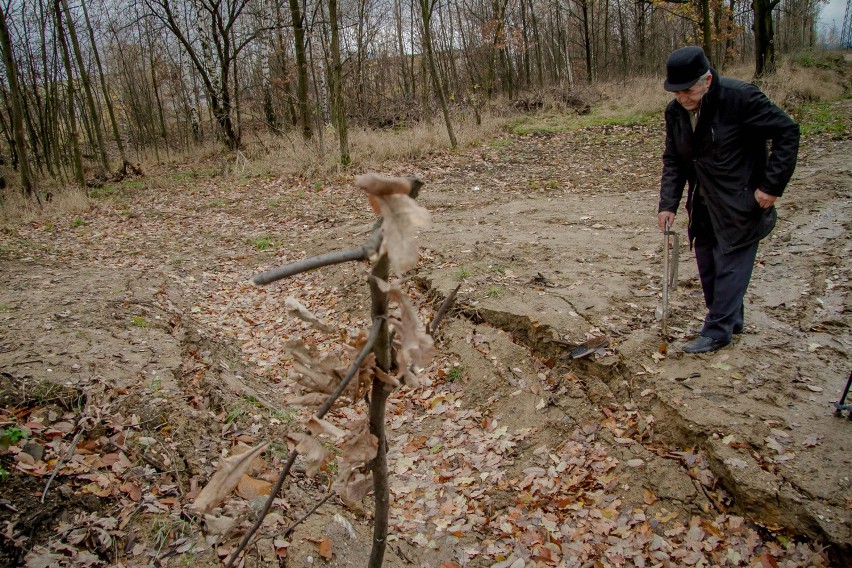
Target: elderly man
x,y
717,134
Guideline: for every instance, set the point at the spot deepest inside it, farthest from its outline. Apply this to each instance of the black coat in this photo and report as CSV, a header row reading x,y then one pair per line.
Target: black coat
x,y
727,156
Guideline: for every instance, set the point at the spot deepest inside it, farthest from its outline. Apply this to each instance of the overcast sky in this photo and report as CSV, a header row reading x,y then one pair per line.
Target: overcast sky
x,y
832,15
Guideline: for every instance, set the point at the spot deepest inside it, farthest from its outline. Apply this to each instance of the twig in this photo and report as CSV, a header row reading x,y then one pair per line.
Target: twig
x,y
442,311
292,527
266,506
64,459
149,460
353,370
364,252
329,402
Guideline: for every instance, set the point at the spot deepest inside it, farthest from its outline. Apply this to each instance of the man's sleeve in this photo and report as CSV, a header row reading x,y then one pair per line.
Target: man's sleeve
x,y
673,179
777,126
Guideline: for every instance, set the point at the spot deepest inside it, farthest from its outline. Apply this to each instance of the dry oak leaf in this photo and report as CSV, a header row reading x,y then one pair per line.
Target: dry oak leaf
x,y
310,399
361,447
378,185
314,452
224,481
298,310
402,217
317,426
416,346
324,548
389,197
248,488
351,484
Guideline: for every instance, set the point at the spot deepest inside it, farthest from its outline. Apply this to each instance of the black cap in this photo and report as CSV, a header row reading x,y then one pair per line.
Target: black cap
x,y
685,67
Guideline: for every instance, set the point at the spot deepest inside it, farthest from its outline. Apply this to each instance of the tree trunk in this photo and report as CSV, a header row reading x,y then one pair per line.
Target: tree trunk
x,y
706,30
76,157
587,39
107,99
378,399
336,84
426,7
87,88
304,107
17,109
403,59
764,37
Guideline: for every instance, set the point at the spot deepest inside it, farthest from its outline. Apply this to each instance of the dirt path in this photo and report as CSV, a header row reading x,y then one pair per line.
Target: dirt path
x,y
511,450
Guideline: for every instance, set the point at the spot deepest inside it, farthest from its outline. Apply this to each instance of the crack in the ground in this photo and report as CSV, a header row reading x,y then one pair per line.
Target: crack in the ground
x,y
775,502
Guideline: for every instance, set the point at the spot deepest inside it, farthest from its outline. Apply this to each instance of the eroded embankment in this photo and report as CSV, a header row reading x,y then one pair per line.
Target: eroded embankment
x,y
592,388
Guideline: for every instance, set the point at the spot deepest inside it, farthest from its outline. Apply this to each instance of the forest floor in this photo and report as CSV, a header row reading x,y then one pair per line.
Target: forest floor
x,y
134,354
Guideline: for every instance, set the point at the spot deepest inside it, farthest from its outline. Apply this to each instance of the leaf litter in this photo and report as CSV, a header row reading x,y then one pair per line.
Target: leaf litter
x,y
450,464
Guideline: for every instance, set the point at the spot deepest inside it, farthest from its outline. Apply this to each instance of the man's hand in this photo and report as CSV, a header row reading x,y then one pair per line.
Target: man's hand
x,y
663,217
764,199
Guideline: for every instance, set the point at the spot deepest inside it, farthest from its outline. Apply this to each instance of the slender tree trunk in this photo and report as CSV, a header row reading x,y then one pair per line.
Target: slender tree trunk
x,y
27,183
87,88
336,83
706,30
107,99
403,58
426,7
587,39
76,156
305,119
378,400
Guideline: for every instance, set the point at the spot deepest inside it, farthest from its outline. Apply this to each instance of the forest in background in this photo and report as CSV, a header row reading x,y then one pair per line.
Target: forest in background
x,y
92,85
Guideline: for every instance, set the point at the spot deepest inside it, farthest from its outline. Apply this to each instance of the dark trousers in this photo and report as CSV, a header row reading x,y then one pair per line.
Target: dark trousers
x,y
724,280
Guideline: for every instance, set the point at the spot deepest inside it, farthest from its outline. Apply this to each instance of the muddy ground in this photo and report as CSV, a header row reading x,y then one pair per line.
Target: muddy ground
x,y
133,323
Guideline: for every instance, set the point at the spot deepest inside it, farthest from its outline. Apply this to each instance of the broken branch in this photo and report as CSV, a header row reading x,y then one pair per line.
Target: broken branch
x,y
364,252
442,311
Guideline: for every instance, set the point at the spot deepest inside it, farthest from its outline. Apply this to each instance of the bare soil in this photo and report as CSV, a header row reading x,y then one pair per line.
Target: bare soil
x,y
134,323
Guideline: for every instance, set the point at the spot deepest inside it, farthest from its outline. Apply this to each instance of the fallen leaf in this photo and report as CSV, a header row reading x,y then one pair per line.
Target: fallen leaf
x,y
324,548
226,479
248,488
295,308
812,440
768,561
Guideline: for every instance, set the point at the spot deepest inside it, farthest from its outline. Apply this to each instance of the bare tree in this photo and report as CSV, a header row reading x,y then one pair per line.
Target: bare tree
x,y
17,108
426,9
205,29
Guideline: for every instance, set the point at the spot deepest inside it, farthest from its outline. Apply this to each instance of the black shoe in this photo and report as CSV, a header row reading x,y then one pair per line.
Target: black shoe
x,y
738,329
703,344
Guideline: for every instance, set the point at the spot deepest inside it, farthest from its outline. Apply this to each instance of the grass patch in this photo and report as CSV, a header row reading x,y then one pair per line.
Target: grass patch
x,y
139,321
112,190
461,273
234,414
823,119
455,374
192,175
287,416
495,292
10,436
262,243
550,123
